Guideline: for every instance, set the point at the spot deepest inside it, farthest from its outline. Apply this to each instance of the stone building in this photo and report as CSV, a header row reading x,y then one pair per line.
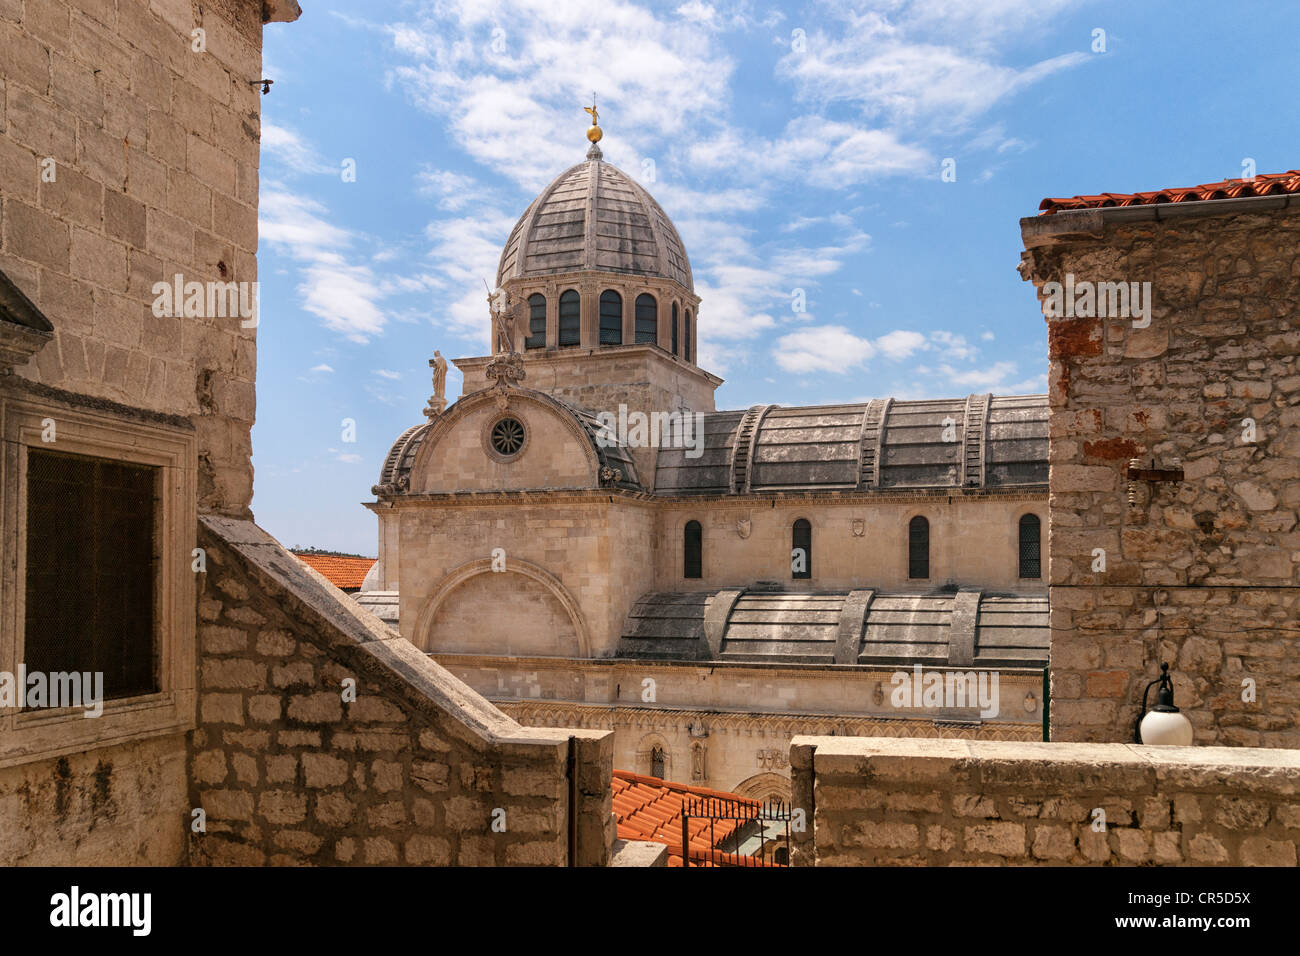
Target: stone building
x,y
244,711
1195,563
709,591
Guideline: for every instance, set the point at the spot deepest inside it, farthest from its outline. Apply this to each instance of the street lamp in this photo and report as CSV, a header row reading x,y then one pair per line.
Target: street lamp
x,y
1163,723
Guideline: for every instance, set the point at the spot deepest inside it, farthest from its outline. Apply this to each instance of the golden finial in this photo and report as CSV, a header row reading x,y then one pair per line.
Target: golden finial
x,y
595,133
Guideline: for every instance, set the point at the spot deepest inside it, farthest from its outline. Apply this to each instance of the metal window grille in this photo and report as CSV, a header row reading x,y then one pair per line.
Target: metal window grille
x,y
611,318
647,319
1031,554
801,544
92,570
918,548
536,322
694,543
570,318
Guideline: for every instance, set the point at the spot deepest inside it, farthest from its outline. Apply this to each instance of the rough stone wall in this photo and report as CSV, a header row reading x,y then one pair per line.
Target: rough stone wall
x,y
888,802
1202,574
415,771
154,150
112,806
974,542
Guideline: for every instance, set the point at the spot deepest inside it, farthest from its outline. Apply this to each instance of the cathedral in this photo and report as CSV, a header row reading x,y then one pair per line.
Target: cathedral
x,y
709,588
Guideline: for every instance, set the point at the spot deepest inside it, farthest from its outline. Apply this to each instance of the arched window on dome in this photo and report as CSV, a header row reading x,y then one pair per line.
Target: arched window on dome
x,y
686,336
693,559
536,322
647,319
674,328
1031,555
611,318
801,550
570,318
918,548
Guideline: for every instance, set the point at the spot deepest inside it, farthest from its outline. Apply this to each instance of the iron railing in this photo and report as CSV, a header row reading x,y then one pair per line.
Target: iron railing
x,y
740,832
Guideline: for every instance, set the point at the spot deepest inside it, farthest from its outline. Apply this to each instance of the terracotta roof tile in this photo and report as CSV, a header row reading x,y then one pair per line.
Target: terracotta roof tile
x,y
342,572
1271,184
651,809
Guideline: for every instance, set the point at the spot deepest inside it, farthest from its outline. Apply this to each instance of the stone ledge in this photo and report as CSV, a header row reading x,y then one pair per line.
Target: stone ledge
x,y
639,853
897,758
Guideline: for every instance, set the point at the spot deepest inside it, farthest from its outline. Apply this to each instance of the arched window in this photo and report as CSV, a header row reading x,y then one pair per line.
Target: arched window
x,y
674,328
693,563
1031,552
918,548
536,322
657,762
611,318
801,550
570,318
686,337
647,319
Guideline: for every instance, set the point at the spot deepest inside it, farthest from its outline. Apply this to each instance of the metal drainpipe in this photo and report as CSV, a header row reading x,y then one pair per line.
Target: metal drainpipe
x,y
573,801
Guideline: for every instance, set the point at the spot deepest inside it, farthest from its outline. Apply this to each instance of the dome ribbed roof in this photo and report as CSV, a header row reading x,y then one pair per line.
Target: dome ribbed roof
x,y
595,217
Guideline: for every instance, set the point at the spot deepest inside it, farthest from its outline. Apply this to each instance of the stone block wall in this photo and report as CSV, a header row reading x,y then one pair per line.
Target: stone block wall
x,y
127,157
890,802
1204,573
111,806
416,770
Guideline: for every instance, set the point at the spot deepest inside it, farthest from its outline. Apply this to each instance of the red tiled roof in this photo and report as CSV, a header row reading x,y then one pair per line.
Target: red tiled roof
x,y
651,809
1271,184
342,572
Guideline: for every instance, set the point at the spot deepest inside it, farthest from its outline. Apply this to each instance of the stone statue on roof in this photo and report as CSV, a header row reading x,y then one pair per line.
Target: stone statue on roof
x,y
502,316
438,400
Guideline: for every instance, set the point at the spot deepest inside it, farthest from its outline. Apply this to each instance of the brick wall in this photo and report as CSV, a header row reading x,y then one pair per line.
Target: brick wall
x,y
415,771
890,802
1203,574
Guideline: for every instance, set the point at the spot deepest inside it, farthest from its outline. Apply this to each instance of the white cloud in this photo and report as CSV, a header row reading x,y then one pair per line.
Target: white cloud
x,y
388,374
321,368
291,151
827,348
454,191
344,294
987,378
954,347
899,344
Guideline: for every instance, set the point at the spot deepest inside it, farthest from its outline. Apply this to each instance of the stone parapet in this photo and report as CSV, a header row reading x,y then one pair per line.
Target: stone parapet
x,y
324,737
892,802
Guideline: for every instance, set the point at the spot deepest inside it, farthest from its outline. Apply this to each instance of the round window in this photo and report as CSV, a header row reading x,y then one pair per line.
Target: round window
x,y
508,437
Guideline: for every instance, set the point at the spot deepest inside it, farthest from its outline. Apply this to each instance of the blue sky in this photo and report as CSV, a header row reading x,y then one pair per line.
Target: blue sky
x,y
795,146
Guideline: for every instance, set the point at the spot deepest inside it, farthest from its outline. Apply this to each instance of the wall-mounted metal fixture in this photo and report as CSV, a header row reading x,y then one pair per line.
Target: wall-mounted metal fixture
x,y
1135,472
264,83
1163,723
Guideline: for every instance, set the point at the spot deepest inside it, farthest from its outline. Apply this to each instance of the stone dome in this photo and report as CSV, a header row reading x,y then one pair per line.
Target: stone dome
x,y
594,217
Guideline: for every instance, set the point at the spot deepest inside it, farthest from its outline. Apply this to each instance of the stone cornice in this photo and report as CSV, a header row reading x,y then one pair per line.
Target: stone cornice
x,y
741,501
605,352
556,714
569,664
